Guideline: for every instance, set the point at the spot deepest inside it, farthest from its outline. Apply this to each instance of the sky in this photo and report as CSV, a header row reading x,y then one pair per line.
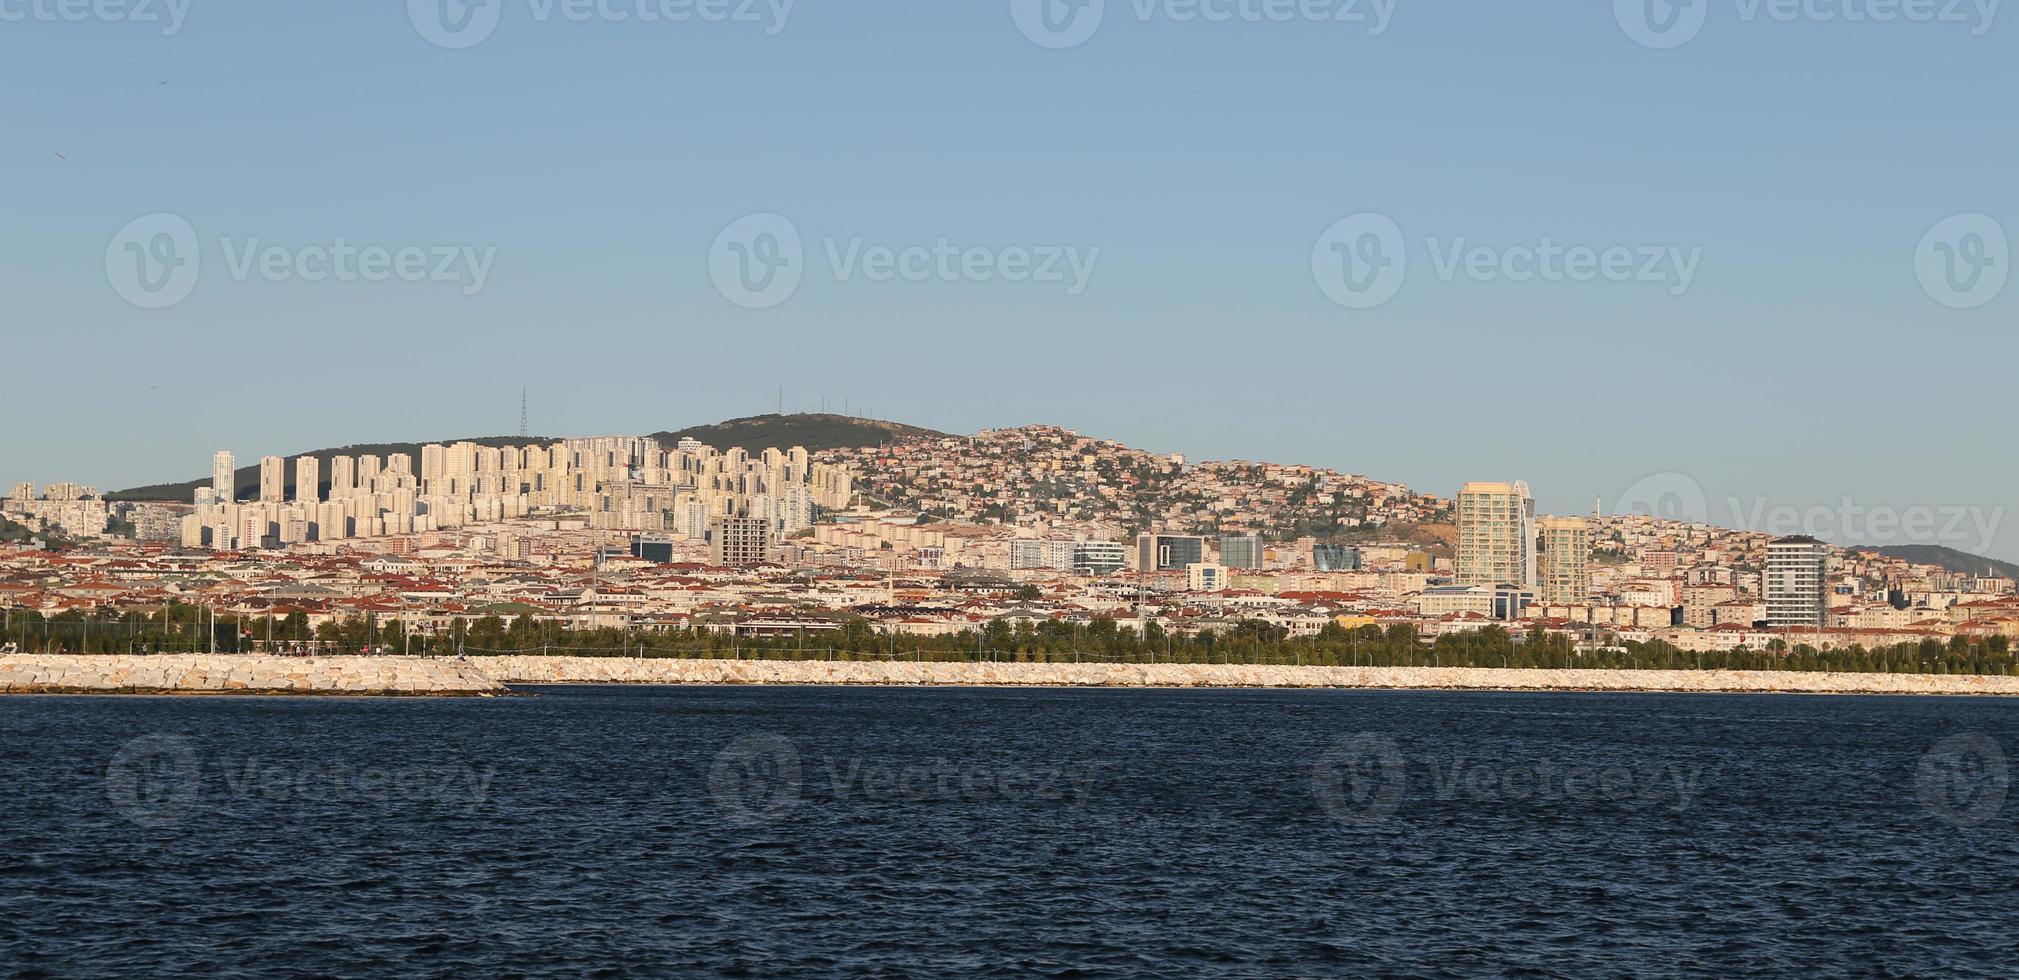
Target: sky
x,y
1750,268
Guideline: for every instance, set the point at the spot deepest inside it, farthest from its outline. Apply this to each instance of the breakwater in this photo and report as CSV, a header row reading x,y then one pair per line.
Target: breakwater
x,y
241,674
597,670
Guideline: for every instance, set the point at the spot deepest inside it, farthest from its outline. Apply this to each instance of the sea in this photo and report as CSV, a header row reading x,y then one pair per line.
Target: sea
x,y
894,832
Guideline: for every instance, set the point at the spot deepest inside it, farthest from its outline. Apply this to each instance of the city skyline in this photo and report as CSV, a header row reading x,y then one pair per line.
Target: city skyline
x,y
1969,529
1805,286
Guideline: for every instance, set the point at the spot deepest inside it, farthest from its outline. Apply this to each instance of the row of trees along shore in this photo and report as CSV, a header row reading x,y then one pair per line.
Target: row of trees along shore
x,y
184,629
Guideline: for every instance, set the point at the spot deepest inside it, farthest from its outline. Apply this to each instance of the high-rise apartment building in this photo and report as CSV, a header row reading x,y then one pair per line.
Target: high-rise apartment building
x,y
343,477
1496,535
224,476
308,480
1563,553
740,540
1797,572
272,479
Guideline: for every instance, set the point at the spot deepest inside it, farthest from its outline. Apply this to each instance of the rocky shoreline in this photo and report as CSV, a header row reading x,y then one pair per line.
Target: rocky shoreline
x,y
593,670
225,674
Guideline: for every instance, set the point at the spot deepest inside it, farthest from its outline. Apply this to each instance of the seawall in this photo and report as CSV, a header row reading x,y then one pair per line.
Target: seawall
x,y
241,674
595,670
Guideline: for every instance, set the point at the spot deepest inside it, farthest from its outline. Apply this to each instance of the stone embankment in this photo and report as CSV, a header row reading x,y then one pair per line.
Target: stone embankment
x,y
241,674
595,670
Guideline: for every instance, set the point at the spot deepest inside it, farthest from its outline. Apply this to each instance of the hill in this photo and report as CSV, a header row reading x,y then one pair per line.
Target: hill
x,y
1960,562
754,434
248,476
812,430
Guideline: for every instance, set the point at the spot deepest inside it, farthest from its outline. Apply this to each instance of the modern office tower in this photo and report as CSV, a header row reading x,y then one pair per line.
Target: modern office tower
x,y
343,477
224,476
1797,569
308,480
1562,553
1099,557
1241,551
272,479
1496,535
740,540
1335,558
1168,552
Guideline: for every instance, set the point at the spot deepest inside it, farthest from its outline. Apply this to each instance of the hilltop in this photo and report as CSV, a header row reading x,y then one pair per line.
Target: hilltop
x,y
755,434
1949,559
815,431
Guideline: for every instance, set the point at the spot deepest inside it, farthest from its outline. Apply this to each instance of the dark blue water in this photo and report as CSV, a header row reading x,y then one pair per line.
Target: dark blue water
x,y
764,832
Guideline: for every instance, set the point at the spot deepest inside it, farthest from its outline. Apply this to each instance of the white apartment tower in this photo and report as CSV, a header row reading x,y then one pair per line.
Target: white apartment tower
x,y
1796,581
308,480
1563,552
224,476
1496,534
272,480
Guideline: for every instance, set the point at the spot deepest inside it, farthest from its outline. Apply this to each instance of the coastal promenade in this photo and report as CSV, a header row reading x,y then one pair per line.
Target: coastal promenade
x,y
240,674
595,670
480,676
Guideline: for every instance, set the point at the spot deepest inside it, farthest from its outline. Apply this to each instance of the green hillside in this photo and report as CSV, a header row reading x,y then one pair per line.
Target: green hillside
x,y
812,430
1960,562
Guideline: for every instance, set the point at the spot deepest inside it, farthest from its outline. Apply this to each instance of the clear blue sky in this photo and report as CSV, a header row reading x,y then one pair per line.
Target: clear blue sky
x,y
600,160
